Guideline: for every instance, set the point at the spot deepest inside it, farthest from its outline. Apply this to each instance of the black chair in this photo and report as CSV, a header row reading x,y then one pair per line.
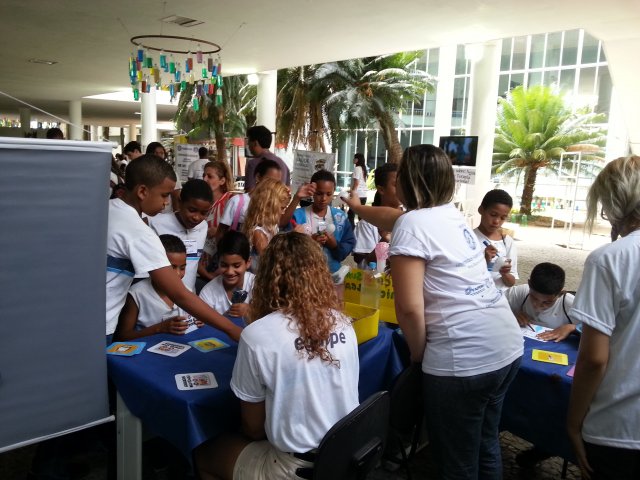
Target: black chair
x,y
406,415
354,445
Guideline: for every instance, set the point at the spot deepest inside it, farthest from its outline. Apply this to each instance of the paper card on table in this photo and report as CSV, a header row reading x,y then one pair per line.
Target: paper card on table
x,y
195,381
170,349
190,321
571,371
537,330
550,357
125,349
208,344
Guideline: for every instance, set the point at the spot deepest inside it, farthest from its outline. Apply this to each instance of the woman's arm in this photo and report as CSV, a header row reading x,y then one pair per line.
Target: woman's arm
x,y
259,241
253,416
382,217
591,365
408,278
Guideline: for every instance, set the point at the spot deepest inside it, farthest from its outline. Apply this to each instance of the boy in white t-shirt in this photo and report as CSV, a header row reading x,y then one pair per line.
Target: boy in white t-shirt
x,y
368,235
133,249
234,279
148,310
500,250
188,223
542,302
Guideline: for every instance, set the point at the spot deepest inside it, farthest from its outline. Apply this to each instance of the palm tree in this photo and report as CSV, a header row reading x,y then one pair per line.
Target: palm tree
x,y
373,89
534,128
300,105
221,121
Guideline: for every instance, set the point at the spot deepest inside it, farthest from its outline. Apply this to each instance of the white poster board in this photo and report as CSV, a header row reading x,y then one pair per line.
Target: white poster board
x,y
466,175
306,163
185,154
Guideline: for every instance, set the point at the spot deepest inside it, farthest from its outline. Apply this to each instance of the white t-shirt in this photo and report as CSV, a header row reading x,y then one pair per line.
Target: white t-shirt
x,y
303,398
196,168
214,294
231,207
133,249
315,221
507,249
194,238
358,174
608,301
151,308
470,327
552,317
367,237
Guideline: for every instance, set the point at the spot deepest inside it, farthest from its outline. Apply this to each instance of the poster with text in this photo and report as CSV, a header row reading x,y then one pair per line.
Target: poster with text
x,y
307,163
185,154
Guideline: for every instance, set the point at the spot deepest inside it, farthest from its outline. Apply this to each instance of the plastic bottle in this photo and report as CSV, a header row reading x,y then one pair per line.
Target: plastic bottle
x,y
370,293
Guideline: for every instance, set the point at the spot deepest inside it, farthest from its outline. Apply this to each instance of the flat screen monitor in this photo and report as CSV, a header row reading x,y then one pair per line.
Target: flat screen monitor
x,y
461,150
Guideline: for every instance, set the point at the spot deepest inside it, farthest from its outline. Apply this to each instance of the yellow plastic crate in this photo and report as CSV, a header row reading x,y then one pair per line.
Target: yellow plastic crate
x,y
365,320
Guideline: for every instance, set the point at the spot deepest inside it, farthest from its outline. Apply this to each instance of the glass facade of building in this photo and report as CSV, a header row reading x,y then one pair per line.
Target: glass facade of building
x,y
573,61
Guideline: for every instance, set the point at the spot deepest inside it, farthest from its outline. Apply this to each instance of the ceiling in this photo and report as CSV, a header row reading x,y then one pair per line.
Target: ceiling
x,y
90,39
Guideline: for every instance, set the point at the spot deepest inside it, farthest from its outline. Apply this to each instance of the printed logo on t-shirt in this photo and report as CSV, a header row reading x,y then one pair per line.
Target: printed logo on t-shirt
x,y
333,340
470,238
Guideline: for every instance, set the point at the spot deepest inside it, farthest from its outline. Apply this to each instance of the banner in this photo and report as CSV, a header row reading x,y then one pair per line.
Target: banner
x,y
306,163
464,174
185,154
353,288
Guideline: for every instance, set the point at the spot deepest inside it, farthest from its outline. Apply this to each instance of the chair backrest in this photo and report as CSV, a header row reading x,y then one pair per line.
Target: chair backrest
x,y
406,400
354,445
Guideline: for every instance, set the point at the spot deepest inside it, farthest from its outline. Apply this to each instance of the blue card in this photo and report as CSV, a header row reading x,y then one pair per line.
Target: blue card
x,y
125,349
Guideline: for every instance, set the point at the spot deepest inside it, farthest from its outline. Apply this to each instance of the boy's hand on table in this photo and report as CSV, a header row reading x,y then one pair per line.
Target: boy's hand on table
x,y
558,334
175,325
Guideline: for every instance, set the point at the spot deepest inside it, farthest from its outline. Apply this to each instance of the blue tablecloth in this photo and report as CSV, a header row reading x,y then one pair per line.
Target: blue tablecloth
x,y
187,418
535,407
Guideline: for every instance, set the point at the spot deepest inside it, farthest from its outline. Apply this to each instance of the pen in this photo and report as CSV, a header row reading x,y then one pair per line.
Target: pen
x,y
532,329
487,244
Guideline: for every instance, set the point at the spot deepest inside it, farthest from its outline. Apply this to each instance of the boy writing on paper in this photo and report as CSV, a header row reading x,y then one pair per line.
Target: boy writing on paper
x,y
542,302
133,249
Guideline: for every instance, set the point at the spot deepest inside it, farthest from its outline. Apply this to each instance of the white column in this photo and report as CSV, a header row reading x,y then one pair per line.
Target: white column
x,y
75,120
483,99
95,133
267,92
25,120
149,118
625,74
444,92
617,137
132,133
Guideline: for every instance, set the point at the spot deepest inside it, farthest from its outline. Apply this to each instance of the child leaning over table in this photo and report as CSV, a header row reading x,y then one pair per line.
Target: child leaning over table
x,y
148,310
133,249
542,302
234,256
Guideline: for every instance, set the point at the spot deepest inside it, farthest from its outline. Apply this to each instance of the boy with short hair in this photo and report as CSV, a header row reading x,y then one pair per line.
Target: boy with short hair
x,y
327,225
367,235
542,302
148,310
189,224
133,249
500,250
235,260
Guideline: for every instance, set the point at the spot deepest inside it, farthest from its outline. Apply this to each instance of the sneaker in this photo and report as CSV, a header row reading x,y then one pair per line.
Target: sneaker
x,y
529,458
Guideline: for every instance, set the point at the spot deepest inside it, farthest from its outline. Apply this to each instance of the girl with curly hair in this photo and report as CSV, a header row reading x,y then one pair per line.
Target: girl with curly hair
x,y
296,372
268,201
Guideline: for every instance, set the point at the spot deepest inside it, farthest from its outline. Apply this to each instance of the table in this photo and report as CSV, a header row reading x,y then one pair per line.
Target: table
x,y
147,393
536,404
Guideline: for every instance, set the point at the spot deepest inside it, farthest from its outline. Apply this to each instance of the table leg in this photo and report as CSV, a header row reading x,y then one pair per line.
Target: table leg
x,y
129,443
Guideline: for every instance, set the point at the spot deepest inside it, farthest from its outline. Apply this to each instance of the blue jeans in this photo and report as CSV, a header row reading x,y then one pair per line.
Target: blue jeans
x,y
463,416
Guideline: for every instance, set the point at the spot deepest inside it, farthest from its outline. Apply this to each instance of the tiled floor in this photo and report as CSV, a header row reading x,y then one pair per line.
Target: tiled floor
x,y
157,465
